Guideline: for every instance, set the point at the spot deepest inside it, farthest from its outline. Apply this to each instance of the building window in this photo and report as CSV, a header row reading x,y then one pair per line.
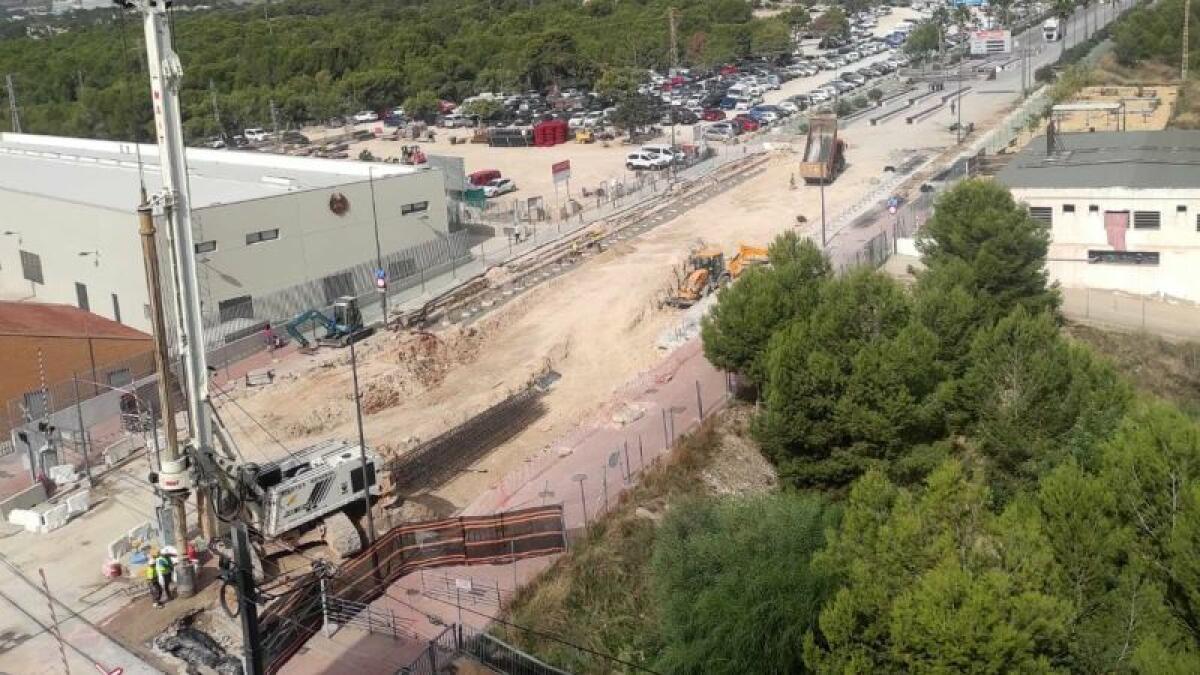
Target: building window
x,y
1093,208
81,296
402,269
241,307
1146,220
261,236
208,246
1068,208
414,208
337,285
120,378
116,308
1181,208
31,267
1123,257
1043,213
1198,222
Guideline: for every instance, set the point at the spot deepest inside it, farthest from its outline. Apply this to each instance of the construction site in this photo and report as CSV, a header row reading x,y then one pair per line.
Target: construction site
x,y
476,427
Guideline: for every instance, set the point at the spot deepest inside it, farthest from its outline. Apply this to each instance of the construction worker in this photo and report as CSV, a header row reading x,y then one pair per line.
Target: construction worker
x,y
152,582
164,568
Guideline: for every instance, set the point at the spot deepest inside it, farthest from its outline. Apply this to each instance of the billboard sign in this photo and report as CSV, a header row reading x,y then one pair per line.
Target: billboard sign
x,y
561,171
988,42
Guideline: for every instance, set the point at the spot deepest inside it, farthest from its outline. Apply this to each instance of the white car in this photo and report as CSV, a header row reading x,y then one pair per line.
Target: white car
x,y
576,122
643,161
366,116
819,95
789,107
256,135
720,131
499,186
594,119
663,150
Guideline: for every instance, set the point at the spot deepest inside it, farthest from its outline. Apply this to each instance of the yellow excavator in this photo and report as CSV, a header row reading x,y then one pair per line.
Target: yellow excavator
x,y
706,271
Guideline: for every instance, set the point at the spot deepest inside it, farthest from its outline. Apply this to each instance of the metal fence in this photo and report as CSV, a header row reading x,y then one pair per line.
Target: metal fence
x,y
298,614
438,654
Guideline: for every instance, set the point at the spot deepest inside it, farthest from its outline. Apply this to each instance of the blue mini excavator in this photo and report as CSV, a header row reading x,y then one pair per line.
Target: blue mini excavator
x,y
344,327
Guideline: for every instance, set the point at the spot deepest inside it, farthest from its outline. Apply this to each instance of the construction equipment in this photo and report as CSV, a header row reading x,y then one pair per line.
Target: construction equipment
x,y
585,136
344,327
704,273
824,153
747,257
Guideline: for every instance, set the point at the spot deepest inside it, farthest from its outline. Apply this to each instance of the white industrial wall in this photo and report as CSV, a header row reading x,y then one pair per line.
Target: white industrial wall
x,y
1177,241
313,241
58,232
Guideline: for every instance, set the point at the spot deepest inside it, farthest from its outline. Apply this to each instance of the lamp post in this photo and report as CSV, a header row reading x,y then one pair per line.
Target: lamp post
x,y
362,446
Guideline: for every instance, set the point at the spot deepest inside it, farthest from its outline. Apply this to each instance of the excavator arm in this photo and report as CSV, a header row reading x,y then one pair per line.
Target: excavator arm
x,y
293,327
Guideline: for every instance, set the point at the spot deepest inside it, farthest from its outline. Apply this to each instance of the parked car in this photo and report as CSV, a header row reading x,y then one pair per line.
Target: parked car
x,y
664,150
819,96
790,107
747,122
721,131
256,135
366,116
454,121
646,161
499,186
712,115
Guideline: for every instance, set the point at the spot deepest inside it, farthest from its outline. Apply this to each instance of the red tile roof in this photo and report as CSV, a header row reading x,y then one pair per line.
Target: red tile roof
x,y
47,320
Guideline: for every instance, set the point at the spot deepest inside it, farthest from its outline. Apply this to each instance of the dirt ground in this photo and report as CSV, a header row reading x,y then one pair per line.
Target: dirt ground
x,y
596,325
1146,109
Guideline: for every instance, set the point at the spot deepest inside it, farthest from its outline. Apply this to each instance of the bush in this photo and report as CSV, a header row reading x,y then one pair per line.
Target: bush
x,y
844,108
876,95
859,102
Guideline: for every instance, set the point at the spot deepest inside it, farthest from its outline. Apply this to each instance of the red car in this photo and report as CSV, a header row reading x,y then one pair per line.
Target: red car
x,y
712,115
747,122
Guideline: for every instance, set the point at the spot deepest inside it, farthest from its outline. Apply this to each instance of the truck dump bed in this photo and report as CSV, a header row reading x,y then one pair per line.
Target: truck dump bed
x,y
822,152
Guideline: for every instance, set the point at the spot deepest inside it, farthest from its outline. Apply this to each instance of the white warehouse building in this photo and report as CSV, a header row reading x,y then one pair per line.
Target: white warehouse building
x,y
274,234
1123,209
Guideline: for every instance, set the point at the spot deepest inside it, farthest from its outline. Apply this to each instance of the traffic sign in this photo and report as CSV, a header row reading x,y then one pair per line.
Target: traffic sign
x,y
380,279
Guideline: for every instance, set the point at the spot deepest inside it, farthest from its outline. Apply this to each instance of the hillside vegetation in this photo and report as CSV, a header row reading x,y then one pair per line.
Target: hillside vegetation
x,y
320,58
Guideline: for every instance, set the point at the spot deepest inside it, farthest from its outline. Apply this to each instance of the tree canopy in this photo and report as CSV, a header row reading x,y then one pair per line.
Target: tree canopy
x,y
316,59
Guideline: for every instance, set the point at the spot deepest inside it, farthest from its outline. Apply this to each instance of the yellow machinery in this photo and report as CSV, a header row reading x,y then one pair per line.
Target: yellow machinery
x,y
747,257
705,272
585,136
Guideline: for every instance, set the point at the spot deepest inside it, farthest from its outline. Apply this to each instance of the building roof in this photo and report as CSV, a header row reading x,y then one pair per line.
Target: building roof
x,y
36,319
1131,159
105,173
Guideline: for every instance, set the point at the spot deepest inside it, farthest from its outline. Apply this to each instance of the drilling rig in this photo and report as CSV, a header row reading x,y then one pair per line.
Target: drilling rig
x,y
316,484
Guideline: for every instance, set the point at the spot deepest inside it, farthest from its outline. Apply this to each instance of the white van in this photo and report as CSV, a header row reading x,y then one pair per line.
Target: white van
x,y
663,150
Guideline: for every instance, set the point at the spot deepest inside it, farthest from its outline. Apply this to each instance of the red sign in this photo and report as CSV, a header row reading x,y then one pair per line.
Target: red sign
x,y
561,171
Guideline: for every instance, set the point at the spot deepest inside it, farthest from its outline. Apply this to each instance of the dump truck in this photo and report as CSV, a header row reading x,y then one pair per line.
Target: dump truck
x,y
824,156
746,257
704,273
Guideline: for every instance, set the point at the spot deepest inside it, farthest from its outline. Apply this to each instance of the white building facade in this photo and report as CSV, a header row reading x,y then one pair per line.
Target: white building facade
x,y
1123,209
275,235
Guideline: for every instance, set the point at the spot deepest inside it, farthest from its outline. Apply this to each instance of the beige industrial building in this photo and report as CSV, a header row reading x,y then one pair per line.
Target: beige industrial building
x,y
1123,209
275,235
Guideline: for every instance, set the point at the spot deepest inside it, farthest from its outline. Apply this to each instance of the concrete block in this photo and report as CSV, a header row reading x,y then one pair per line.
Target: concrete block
x,y
63,474
55,518
119,450
29,497
30,520
79,502
118,548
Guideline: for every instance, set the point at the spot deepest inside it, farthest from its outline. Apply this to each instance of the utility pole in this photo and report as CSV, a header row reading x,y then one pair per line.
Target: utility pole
x,y
383,290
247,601
674,41
275,121
1183,67
12,104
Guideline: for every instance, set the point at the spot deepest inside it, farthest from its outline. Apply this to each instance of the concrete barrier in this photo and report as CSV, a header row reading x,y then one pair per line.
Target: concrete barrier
x,y
29,497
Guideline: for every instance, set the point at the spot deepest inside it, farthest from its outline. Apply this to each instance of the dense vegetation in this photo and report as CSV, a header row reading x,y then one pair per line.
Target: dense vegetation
x,y
319,58
965,488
